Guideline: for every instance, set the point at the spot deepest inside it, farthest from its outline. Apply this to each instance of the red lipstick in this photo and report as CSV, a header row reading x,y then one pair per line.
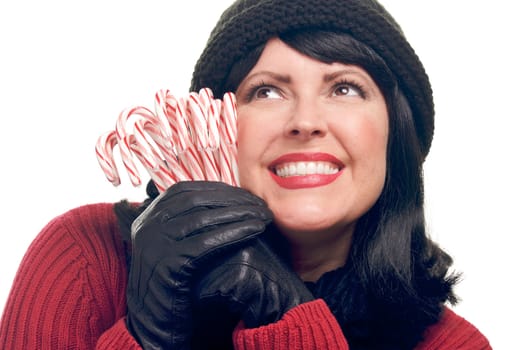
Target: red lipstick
x,y
308,180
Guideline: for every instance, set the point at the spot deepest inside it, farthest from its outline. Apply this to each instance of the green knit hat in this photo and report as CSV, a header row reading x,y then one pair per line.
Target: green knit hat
x,y
247,24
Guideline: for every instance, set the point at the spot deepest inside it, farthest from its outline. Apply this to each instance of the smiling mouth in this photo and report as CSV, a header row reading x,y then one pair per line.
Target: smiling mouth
x,y
305,168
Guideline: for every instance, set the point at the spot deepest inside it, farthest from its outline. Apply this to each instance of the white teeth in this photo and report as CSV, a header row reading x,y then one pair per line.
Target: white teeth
x,y
306,168
301,169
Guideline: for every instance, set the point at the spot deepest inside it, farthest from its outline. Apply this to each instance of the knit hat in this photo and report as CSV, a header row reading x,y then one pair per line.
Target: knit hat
x,y
247,24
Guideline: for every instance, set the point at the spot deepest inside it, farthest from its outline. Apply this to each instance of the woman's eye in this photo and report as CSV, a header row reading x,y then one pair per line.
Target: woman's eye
x,y
266,92
346,90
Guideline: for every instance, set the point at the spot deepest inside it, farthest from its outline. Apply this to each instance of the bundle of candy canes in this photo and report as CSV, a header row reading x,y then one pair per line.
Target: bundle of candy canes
x,y
182,139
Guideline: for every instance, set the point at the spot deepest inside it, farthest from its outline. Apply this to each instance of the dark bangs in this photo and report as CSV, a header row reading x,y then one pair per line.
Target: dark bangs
x,y
325,46
331,47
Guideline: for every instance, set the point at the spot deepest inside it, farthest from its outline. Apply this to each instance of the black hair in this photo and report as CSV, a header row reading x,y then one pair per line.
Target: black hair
x,y
402,274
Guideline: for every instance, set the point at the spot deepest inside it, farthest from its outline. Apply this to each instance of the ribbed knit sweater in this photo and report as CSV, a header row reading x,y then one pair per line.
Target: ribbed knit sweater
x,y
70,293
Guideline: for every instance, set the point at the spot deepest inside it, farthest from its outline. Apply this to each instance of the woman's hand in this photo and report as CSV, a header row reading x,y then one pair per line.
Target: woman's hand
x,y
252,284
187,228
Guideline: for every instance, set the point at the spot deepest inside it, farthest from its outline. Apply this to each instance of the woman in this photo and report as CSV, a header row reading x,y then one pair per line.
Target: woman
x,y
324,244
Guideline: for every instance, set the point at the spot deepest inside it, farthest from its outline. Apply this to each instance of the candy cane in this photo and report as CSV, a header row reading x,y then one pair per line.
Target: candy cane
x,y
228,147
157,150
187,151
200,113
170,110
167,111
213,121
224,160
104,152
192,138
125,141
162,109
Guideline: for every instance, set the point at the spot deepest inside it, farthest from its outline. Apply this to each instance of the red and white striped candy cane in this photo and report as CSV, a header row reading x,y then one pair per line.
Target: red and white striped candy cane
x,y
125,141
186,148
192,138
144,156
197,130
213,121
228,146
224,160
199,113
104,152
168,115
157,151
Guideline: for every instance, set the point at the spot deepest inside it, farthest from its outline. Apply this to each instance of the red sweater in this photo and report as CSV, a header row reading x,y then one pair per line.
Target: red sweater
x,y
70,293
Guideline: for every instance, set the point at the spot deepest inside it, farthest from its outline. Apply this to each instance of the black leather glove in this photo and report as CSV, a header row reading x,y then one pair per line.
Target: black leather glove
x,y
185,229
252,284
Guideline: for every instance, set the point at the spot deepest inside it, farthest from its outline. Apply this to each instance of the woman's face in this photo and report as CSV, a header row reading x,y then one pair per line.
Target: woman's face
x,y
312,141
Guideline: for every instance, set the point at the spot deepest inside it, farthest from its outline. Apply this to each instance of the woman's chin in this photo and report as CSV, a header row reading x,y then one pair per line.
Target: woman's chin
x,y
302,228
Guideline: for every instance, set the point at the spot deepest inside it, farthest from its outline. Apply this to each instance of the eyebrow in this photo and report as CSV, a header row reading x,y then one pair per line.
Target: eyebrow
x,y
279,77
332,76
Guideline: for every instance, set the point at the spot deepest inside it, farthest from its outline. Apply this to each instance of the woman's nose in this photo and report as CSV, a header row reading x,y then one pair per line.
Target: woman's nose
x,y
306,121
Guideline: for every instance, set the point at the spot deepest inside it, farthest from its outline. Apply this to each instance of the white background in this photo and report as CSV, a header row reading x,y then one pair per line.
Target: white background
x,y
68,68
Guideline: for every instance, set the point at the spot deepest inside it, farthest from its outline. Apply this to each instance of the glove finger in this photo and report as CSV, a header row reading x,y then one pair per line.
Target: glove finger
x,y
197,185
184,197
220,241
207,193
196,222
